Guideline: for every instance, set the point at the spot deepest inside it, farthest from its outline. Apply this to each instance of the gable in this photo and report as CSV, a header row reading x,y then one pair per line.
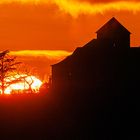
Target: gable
x,y
111,26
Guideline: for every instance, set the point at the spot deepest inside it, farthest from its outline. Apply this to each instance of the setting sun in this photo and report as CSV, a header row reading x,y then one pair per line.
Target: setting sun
x,y
27,84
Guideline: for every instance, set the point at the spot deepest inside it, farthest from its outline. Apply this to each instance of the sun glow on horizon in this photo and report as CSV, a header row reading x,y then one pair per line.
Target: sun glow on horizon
x,y
24,85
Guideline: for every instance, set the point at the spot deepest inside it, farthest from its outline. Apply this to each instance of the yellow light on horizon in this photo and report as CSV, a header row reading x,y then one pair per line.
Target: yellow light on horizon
x,y
21,86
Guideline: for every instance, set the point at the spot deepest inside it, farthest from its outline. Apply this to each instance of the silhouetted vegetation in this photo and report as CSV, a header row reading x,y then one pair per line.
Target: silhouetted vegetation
x,y
8,70
14,72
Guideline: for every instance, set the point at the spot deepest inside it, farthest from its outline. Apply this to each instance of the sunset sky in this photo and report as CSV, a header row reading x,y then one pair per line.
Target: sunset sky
x,y
42,32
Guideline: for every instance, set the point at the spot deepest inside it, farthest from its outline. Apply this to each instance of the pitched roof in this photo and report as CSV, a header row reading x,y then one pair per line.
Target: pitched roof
x,y
113,23
79,52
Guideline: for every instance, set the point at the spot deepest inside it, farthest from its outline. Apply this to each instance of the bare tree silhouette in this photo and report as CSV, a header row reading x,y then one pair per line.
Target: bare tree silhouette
x,y
25,73
8,70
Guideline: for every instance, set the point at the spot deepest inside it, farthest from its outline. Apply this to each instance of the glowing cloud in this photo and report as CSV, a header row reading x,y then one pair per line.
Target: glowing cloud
x,y
41,60
51,54
75,7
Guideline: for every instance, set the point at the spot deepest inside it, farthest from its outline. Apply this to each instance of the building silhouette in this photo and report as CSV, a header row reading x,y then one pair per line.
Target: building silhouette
x,y
107,63
115,34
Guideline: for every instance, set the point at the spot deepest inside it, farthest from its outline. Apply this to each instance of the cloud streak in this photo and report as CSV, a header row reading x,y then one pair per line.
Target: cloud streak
x,y
76,7
49,54
41,60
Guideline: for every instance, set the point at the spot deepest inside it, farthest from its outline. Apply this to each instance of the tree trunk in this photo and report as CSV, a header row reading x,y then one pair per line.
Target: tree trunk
x,y
2,77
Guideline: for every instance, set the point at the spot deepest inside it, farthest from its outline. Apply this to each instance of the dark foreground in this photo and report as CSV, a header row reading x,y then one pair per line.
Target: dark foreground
x,y
69,117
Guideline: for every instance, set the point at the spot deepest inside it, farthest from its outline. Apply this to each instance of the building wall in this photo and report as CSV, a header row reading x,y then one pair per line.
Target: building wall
x,y
100,63
118,40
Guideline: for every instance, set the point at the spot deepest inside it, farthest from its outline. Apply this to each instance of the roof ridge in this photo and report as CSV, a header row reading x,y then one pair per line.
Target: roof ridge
x,y
113,19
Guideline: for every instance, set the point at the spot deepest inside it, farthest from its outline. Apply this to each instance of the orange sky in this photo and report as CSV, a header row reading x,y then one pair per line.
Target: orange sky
x,y
59,25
